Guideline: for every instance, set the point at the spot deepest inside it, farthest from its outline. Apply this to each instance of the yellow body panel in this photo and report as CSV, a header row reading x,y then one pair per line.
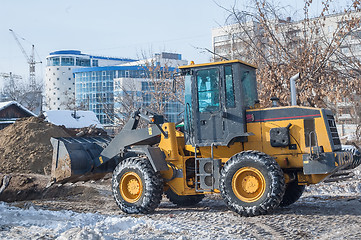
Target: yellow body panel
x,y
177,153
173,146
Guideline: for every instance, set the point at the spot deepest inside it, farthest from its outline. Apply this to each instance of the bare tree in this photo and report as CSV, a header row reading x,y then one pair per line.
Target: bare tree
x,y
69,103
126,99
28,95
153,91
281,48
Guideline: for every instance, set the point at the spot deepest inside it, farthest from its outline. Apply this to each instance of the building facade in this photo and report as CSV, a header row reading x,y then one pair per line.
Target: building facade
x,y
95,88
102,89
59,79
133,93
227,40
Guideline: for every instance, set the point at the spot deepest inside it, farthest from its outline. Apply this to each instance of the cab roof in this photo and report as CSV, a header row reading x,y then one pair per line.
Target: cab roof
x,y
216,63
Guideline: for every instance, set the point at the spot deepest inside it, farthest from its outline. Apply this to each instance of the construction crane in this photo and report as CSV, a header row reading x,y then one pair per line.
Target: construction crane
x,y
30,58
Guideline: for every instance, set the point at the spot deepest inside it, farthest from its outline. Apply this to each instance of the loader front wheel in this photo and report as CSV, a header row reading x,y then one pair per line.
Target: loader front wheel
x,y
252,183
186,200
136,187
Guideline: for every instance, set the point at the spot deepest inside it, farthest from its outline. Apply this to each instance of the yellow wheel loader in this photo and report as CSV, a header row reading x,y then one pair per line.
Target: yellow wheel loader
x,y
256,158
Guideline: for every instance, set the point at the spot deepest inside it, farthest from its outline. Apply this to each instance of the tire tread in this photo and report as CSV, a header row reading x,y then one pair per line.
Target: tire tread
x,y
277,182
153,186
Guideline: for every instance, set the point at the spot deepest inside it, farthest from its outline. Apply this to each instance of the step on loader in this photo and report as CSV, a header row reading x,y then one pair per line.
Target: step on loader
x,y
256,158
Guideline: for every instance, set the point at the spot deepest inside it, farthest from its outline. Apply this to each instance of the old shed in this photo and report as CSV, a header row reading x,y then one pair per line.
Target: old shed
x,y
11,111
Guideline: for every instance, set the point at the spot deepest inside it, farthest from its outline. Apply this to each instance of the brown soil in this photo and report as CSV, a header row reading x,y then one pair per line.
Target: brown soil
x,y
25,146
91,196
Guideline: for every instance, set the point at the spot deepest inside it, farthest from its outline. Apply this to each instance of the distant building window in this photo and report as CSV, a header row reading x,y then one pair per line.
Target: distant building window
x,y
221,38
69,78
83,62
57,79
58,98
69,69
58,108
70,88
54,94
95,63
57,68
53,61
67,61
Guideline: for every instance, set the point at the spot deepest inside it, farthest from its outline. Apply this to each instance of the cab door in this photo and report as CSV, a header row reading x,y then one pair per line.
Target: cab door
x,y
233,112
208,106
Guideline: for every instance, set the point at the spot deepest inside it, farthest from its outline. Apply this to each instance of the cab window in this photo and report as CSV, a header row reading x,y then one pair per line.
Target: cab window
x,y
228,76
249,86
208,90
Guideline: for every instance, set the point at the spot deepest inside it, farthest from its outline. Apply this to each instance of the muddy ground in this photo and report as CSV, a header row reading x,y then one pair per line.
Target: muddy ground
x,y
326,211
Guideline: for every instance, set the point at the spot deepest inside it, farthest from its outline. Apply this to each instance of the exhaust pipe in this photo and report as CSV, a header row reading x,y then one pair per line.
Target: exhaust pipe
x,y
293,89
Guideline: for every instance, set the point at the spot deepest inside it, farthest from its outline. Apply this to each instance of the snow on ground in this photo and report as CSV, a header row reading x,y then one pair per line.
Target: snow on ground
x,y
18,223
326,211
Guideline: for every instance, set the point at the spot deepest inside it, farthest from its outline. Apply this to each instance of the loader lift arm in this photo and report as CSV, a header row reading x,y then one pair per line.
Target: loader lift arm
x,y
80,159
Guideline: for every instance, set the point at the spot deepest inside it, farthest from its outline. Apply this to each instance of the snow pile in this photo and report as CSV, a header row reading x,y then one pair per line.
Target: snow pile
x,y
29,223
72,119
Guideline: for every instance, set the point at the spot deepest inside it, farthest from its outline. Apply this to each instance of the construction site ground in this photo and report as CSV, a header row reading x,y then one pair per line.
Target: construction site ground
x,y
32,208
86,210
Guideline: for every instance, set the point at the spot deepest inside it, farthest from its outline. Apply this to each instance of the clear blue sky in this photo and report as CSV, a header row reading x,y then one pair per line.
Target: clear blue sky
x,y
109,28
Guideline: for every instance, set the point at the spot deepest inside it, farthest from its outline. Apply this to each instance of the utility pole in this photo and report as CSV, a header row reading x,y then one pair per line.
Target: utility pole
x,y
30,59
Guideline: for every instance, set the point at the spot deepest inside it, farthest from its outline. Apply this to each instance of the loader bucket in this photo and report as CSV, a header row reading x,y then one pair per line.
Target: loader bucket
x,y
73,158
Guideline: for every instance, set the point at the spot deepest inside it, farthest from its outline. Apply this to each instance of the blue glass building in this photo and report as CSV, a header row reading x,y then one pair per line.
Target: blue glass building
x,y
59,77
100,89
94,88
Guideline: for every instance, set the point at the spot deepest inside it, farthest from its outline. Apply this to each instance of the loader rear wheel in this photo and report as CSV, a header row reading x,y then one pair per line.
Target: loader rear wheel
x,y
186,200
136,187
252,183
292,194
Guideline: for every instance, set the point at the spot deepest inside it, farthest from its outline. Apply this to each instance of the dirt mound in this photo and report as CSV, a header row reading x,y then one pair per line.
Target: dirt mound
x,y
25,146
24,187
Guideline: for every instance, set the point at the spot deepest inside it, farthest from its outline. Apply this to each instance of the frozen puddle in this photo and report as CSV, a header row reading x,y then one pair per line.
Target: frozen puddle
x,y
18,223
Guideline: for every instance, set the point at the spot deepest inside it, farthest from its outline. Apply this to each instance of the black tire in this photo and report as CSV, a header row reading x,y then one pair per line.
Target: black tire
x,y
146,194
186,200
252,183
292,194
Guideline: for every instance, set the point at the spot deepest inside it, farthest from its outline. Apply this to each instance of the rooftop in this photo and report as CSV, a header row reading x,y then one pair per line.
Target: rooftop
x,y
4,105
77,52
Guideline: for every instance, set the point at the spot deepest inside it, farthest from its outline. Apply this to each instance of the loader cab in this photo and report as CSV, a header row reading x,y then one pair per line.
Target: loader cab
x,y
216,98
